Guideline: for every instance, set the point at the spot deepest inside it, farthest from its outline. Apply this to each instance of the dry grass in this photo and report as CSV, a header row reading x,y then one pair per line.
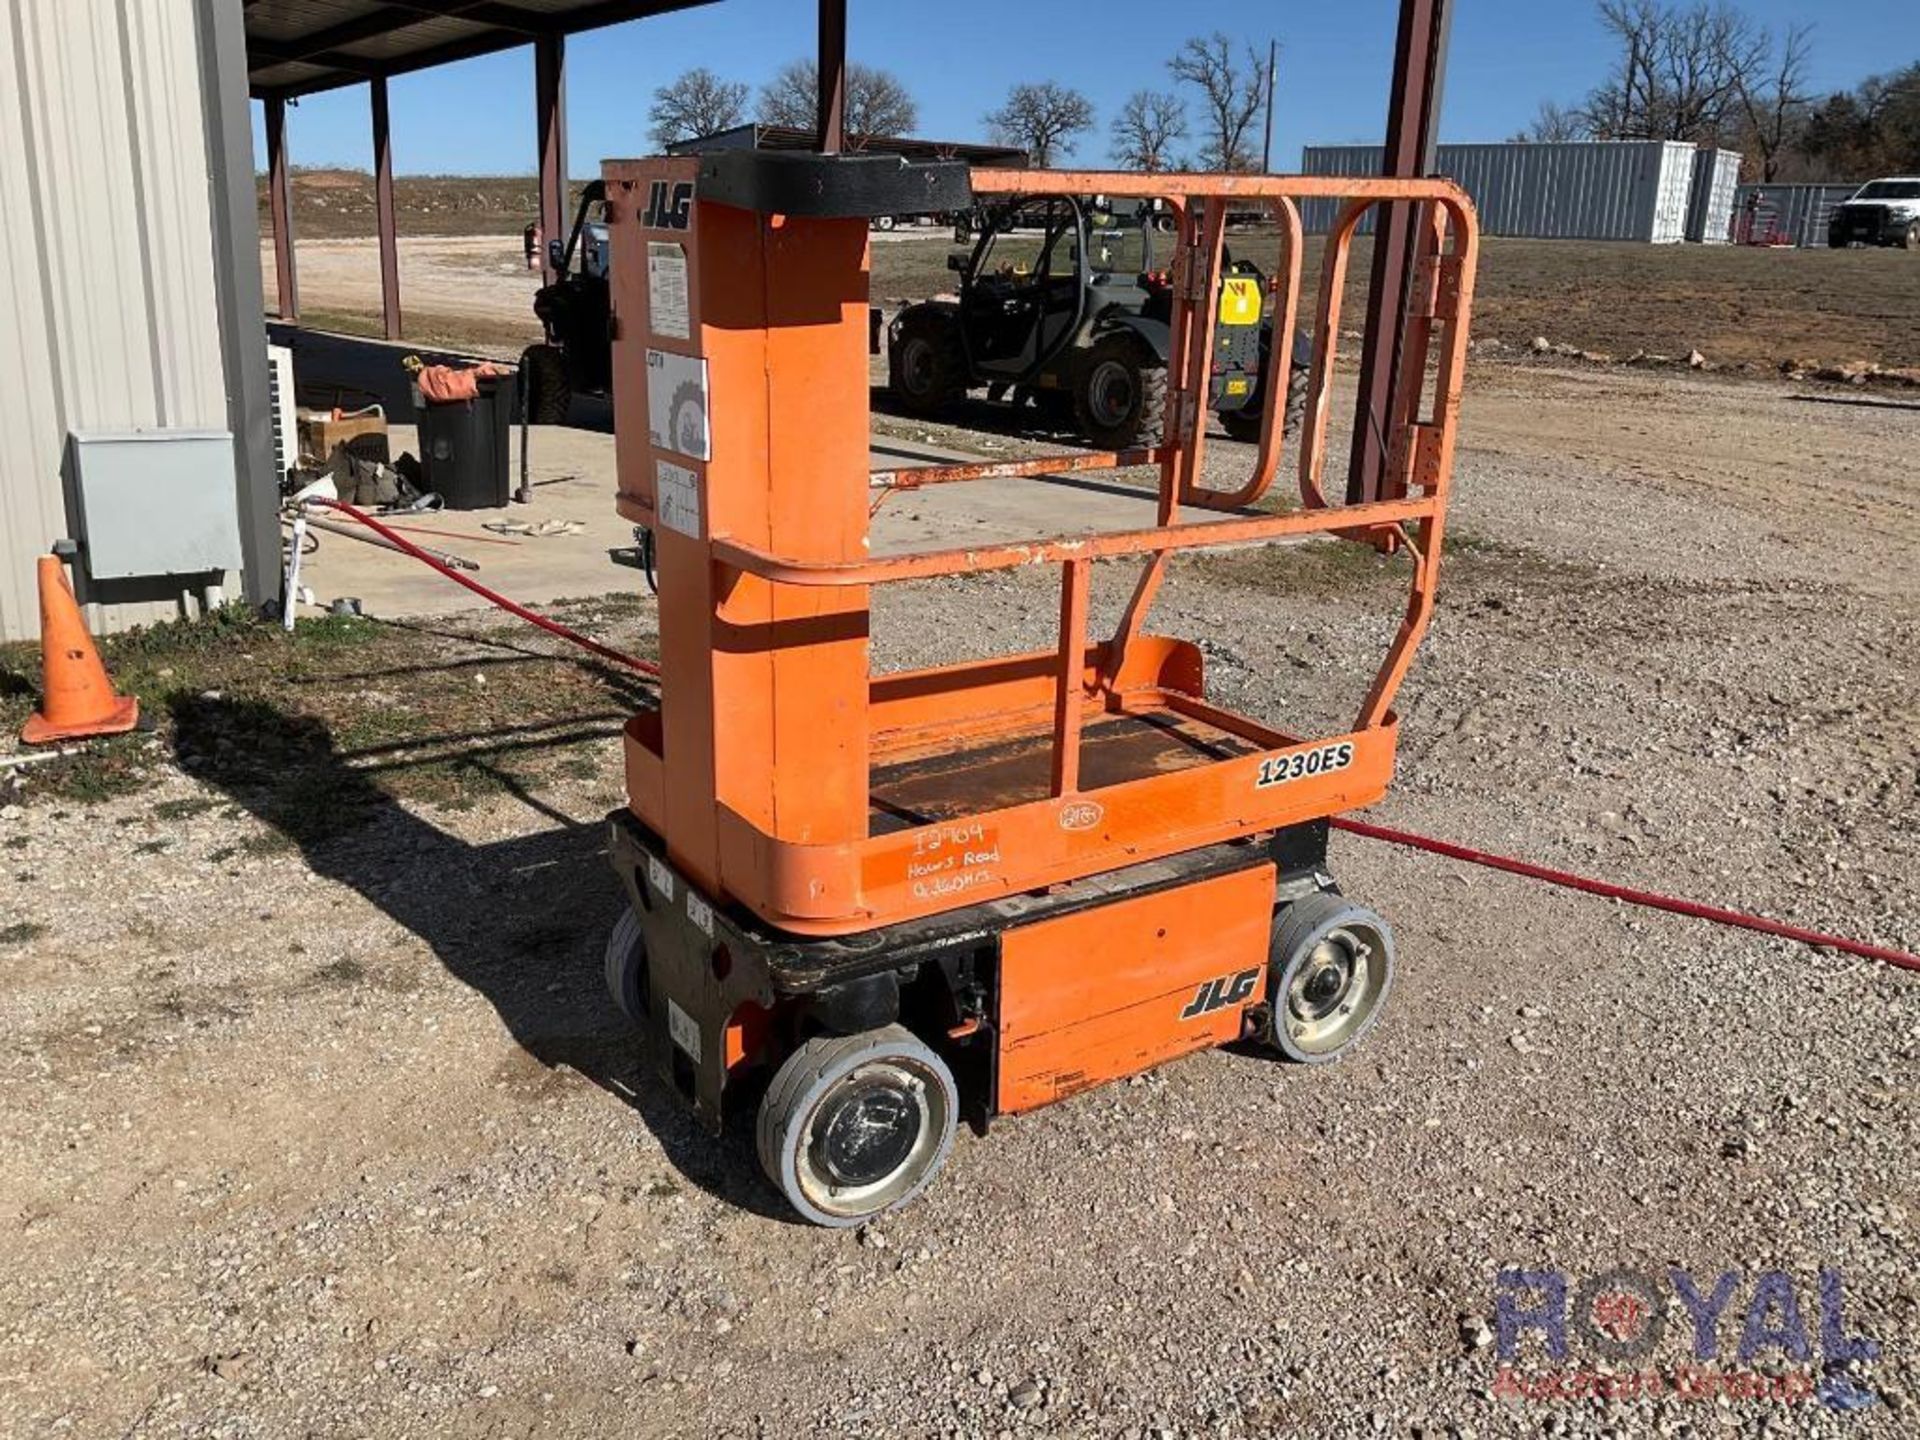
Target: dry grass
x,y
323,723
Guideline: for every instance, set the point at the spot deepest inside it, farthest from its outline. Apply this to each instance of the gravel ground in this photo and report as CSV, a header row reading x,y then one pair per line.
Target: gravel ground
x,y
345,1140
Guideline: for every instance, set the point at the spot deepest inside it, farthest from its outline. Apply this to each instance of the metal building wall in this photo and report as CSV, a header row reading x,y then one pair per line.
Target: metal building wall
x,y
1786,214
107,270
1600,190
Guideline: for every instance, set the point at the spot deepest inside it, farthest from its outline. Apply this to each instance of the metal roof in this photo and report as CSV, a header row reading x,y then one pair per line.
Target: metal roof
x,y
785,137
298,47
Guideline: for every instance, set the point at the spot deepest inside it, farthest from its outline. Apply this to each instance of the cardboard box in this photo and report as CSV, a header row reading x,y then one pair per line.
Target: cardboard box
x,y
365,437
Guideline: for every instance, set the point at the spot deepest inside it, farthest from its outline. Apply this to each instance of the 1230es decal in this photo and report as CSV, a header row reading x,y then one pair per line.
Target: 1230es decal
x,y
1279,769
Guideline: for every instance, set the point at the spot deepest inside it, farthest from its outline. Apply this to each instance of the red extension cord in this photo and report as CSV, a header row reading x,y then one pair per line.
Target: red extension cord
x,y
1644,898
552,627
1566,880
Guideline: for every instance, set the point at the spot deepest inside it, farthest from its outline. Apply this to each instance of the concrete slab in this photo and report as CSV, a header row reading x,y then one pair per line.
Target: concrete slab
x,y
574,479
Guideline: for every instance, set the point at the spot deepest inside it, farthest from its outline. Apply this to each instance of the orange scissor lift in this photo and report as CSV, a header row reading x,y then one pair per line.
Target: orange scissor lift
x,y
911,898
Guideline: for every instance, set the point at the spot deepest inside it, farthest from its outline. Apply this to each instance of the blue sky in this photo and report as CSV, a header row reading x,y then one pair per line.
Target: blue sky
x,y
1508,55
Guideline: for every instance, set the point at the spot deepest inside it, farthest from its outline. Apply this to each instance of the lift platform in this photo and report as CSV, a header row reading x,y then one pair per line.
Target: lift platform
x,y
907,899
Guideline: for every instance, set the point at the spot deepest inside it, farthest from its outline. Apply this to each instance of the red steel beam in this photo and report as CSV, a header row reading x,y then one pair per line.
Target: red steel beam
x,y
1413,119
831,116
550,105
280,202
385,222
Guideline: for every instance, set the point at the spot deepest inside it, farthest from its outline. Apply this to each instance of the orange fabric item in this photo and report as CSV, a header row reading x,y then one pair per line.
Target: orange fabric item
x,y
78,698
441,383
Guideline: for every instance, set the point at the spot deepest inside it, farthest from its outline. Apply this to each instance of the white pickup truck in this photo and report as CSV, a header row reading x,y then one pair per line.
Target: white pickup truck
x,y
1885,212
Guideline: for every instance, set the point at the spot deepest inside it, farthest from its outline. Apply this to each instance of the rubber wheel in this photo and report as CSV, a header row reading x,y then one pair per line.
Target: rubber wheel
x,y
1913,236
926,371
549,392
1120,394
884,222
1244,423
1329,974
627,967
856,1125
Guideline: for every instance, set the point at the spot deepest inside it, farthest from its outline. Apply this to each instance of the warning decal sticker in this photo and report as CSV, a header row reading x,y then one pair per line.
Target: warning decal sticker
x,y
667,312
677,404
676,500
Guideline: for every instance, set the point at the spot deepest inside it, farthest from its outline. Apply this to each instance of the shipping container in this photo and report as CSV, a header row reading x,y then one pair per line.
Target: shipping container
x,y
1599,190
1786,214
1716,175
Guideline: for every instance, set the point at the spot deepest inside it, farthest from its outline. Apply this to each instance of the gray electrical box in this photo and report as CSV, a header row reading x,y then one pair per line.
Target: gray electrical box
x,y
156,502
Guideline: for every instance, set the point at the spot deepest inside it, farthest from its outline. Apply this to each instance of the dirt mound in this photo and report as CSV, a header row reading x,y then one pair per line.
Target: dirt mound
x,y
332,180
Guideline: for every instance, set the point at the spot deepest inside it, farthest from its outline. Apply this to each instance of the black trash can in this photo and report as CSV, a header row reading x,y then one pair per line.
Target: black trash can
x,y
465,444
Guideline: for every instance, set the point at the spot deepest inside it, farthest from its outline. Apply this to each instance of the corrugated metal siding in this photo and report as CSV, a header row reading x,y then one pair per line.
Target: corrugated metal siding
x,y
1604,190
1726,185
1716,175
1675,191
1786,214
106,257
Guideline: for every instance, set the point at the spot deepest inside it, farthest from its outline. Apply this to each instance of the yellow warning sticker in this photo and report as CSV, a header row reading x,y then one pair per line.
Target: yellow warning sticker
x,y
1239,301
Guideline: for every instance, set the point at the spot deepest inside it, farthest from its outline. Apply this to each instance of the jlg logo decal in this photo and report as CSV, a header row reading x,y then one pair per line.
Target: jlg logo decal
x,y
1219,994
669,207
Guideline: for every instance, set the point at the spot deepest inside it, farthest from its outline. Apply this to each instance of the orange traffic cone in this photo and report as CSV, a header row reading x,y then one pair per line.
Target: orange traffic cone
x,y
78,697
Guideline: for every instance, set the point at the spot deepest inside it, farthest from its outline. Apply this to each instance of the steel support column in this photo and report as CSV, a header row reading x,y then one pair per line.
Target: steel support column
x,y
280,202
1413,120
239,296
550,104
832,112
384,222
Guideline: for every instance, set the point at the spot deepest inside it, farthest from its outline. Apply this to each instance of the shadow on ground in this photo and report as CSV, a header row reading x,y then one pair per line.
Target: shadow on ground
x,y
523,921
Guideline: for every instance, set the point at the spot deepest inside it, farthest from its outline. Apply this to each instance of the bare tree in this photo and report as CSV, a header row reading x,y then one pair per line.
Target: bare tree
x,y
1231,97
1044,118
1145,129
877,101
1775,98
1680,71
698,103
1554,125
1622,107
1709,49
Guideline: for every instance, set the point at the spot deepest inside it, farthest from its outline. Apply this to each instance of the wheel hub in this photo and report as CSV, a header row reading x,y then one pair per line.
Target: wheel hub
x,y
1110,393
866,1133
870,1140
1324,982
1334,990
916,365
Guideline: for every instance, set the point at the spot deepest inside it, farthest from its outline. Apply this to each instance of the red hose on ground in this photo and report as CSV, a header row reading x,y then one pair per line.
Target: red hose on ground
x,y
1566,880
512,607
1644,898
